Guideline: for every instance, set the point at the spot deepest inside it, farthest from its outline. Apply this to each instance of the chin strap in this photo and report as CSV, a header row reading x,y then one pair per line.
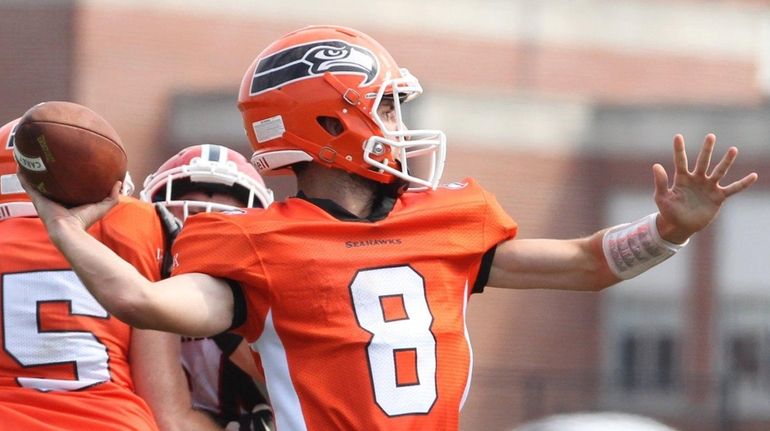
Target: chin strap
x,y
351,95
171,227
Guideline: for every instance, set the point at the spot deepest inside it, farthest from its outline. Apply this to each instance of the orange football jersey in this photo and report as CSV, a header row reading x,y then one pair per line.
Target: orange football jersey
x,y
360,324
65,361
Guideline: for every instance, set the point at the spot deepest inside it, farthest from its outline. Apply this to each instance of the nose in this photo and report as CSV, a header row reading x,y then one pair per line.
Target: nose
x,y
390,123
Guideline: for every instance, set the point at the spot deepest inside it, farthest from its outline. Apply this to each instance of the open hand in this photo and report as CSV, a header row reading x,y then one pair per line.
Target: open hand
x,y
694,198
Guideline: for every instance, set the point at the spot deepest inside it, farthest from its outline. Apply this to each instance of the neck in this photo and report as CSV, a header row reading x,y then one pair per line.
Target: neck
x,y
352,192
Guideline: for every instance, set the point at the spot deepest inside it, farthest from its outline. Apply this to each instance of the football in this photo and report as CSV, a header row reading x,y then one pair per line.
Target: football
x,y
69,153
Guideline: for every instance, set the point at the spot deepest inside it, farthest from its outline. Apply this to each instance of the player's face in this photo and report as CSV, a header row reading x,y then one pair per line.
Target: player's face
x,y
387,112
220,198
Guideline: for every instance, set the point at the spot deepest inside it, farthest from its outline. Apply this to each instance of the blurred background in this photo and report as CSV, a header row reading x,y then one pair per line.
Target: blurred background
x,y
559,107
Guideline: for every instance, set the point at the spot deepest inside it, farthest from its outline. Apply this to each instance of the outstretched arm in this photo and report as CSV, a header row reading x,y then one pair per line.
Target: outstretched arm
x,y
604,258
189,304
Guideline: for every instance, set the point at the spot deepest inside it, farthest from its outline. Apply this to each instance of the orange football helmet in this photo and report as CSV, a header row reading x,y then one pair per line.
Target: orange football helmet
x,y
318,74
206,168
14,201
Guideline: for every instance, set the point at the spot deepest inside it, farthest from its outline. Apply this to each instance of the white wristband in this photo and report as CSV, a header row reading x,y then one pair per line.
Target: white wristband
x,y
632,248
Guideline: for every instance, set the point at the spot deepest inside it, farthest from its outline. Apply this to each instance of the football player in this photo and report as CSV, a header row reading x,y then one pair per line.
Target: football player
x,y
223,378
66,363
354,292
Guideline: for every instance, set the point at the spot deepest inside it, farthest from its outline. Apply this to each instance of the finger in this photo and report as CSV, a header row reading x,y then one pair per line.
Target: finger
x,y
110,200
660,177
99,209
28,187
25,184
91,213
720,170
116,188
740,185
107,202
704,157
680,156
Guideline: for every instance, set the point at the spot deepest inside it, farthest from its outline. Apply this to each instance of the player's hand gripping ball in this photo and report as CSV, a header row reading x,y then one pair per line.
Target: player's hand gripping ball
x,y
69,153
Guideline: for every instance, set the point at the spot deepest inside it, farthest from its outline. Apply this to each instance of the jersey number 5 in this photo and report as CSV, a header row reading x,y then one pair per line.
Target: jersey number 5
x,y
30,346
390,304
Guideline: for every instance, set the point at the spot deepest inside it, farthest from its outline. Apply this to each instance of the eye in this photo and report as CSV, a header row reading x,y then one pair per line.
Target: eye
x,y
330,54
387,110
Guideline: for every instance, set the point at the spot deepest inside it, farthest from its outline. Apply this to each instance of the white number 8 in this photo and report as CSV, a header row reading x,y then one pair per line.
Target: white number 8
x,y
390,304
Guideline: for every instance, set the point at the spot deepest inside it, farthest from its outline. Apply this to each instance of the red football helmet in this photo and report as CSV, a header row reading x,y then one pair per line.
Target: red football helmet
x,y
318,74
211,168
14,201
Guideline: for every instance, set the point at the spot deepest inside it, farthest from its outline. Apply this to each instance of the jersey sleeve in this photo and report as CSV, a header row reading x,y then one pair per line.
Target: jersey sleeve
x,y
133,231
497,227
217,244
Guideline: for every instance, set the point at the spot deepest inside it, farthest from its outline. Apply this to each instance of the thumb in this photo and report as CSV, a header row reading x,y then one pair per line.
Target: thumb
x,y
89,214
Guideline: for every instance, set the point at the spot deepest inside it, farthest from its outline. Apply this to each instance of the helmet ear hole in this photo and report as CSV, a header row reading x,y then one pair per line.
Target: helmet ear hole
x,y
331,125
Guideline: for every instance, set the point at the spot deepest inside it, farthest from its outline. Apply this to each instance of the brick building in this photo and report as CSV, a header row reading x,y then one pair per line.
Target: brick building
x,y
559,107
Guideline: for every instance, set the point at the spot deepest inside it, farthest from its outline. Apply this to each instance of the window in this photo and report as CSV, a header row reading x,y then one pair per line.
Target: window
x,y
644,325
648,362
743,357
743,351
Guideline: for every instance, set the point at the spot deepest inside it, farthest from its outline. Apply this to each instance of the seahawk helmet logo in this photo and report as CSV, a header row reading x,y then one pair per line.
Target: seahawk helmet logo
x,y
313,59
9,142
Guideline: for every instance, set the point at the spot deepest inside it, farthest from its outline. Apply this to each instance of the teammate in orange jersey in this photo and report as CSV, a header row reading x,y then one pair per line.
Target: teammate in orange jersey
x,y
223,378
66,364
354,292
